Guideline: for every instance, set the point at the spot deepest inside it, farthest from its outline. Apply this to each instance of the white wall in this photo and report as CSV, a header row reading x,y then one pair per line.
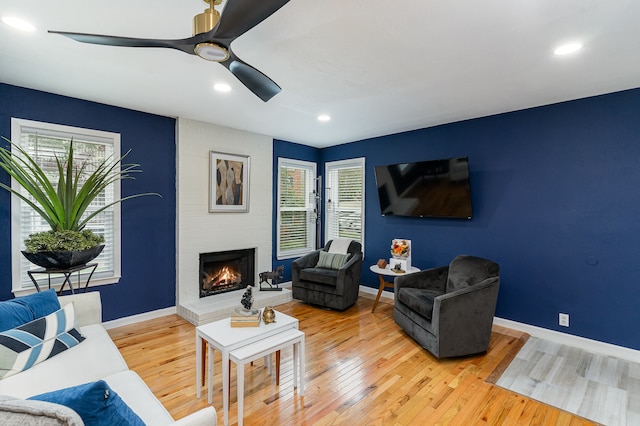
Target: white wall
x,y
200,231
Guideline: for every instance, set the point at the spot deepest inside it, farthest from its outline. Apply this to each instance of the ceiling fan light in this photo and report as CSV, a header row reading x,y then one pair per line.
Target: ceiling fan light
x,y
212,52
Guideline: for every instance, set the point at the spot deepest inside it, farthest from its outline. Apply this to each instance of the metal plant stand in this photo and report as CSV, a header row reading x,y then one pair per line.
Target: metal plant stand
x,y
67,275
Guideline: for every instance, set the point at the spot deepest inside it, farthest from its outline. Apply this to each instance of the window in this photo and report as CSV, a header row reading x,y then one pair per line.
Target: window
x,y
43,142
344,195
297,216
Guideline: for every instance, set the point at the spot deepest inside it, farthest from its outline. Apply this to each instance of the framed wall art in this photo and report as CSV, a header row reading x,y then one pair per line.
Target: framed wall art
x,y
228,182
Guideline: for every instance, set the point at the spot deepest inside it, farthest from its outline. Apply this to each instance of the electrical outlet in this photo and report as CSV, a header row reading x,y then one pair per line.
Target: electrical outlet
x,y
563,320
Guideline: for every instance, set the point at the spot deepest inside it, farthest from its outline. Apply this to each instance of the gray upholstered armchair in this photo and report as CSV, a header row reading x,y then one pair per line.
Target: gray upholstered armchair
x,y
328,285
449,310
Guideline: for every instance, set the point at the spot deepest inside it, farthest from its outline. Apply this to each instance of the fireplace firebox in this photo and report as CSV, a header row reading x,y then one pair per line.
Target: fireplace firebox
x,y
225,271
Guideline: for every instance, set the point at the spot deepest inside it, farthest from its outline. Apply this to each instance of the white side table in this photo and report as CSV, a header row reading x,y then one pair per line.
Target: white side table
x,y
222,337
266,347
386,284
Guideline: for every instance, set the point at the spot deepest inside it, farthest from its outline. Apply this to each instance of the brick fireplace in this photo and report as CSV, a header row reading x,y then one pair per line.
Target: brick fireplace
x,y
199,231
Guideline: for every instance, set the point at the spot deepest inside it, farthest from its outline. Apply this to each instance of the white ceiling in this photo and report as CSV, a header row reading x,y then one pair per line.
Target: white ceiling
x,y
376,67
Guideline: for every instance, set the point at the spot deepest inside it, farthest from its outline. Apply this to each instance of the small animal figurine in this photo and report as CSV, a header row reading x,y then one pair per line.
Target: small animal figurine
x,y
275,277
268,315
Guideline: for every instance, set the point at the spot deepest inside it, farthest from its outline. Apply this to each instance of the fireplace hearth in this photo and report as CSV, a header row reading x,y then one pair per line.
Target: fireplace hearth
x,y
225,271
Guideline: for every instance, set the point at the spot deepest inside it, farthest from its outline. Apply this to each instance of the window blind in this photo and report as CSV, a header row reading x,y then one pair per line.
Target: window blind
x,y
296,227
44,143
344,193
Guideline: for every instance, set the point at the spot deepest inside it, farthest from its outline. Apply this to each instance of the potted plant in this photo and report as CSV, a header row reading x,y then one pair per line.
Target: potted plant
x,y
63,206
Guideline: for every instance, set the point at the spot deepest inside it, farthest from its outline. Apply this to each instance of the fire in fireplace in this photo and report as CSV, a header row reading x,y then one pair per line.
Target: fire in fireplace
x,y
226,271
221,277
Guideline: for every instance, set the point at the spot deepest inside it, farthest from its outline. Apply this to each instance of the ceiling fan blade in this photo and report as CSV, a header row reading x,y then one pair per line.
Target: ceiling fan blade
x,y
186,45
239,16
261,85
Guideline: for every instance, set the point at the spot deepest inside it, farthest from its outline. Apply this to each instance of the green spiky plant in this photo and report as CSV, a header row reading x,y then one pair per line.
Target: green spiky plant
x,y
63,206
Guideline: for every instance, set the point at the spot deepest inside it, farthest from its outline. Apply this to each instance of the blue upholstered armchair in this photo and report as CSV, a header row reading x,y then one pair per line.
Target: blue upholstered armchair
x,y
449,310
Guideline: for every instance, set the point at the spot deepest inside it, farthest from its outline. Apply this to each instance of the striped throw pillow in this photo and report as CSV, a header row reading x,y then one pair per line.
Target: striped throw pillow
x,y
27,345
331,260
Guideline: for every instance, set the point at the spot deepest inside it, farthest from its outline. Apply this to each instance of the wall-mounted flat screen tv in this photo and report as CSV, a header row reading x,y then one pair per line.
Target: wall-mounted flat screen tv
x,y
437,188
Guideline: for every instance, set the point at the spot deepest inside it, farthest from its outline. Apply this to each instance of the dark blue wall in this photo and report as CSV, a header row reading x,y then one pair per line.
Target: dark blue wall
x,y
555,194
294,151
555,202
148,223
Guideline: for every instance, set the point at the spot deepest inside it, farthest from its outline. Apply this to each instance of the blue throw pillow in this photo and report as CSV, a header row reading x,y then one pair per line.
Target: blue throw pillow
x,y
42,303
96,403
29,344
13,315
21,310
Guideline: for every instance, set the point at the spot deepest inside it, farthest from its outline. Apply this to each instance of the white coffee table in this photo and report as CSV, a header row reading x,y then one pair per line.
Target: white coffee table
x,y
221,337
382,272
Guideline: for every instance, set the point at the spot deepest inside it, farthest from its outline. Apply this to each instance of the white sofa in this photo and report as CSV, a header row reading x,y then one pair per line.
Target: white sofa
x,y
97,358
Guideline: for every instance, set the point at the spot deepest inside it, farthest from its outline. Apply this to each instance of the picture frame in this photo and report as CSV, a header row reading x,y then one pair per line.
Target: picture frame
x,y
228,182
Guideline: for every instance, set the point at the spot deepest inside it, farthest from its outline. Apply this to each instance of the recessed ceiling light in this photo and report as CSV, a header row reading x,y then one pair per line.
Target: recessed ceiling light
x,y
222,87
18,24
566,49
324,118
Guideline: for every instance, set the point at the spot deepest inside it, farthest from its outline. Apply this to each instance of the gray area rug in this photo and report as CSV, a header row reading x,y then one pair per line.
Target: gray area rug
x,y
597,387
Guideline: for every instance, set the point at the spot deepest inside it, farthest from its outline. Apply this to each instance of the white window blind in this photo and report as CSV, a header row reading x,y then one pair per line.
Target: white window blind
x,y
296,226
344,193
44,142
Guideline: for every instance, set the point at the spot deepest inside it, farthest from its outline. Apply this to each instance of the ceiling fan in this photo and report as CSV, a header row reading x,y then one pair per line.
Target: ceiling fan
x,y
213,35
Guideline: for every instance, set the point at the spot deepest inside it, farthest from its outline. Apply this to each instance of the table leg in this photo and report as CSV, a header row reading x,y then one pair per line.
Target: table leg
x,y
204,359
301,357
210,374
240,379
296,355
278,368
199,365
225,386
383,284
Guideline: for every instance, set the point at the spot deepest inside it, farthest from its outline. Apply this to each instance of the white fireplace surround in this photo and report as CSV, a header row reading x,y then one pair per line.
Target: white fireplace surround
x,y
199,231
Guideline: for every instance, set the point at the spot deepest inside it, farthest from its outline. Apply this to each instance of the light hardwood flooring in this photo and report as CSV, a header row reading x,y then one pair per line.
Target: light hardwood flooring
x,y
362,369
597,387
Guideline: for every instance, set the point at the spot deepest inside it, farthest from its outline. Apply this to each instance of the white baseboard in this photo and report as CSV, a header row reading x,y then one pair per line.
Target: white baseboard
x,y
154,314
543,333
374,292
139,317
571,340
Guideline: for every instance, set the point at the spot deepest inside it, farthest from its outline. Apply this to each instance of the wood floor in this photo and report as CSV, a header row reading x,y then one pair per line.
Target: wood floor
x,y
361,370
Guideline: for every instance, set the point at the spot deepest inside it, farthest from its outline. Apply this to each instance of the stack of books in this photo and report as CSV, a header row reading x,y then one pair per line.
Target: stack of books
x,y
242,318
